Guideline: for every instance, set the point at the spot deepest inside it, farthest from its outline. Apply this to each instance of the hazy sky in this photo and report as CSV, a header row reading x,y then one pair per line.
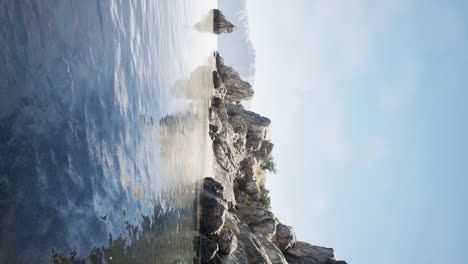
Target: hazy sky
x,y
369,103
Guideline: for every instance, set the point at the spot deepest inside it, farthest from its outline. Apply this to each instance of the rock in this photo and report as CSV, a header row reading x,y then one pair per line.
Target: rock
x,y
236,88
213,207
274,254
285,237
219,88
260,220
264,151
217,82
341,262
209,249
258,127
221,24
248,166
227,241
249,248
304,253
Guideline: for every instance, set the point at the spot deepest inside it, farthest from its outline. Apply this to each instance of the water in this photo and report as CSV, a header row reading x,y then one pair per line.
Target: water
x,y
103,129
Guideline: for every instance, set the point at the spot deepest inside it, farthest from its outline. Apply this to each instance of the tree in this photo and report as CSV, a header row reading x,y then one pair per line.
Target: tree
x,y
269,165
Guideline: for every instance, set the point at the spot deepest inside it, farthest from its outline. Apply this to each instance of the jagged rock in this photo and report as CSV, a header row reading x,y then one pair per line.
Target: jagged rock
x,y
248,166
236,88
221,24
219,88
258,127
274,254
249,248
260,220
341,262
209,249
304,253
285,237
217,82
227,241
213,207
265,150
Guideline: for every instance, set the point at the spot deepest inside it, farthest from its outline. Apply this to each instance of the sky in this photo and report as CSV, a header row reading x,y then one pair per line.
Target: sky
x,y
369,104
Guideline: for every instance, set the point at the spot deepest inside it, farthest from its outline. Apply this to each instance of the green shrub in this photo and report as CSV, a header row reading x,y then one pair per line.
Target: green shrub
x,y
265,197
249,202
269,165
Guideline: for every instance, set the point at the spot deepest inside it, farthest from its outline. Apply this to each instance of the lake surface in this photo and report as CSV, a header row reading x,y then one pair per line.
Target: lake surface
x,y
103,129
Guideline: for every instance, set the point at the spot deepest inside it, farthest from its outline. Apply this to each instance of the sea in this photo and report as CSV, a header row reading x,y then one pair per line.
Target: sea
x,y
103,129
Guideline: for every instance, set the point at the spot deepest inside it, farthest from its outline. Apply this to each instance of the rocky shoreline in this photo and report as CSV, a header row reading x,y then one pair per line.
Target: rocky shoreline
x,y
236,225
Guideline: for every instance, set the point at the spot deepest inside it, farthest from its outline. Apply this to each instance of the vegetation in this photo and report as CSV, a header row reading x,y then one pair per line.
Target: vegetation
x,y
269,165
265,197
249,202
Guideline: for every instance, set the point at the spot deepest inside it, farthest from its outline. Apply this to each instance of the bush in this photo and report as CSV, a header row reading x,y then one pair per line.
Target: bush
x,y
269,165
249,201
265,197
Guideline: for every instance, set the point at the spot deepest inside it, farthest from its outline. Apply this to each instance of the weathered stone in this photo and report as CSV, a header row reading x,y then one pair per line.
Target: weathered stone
x,y
258,127
285,237
274,254
217,82
213,207
209,249
221,24
249,248
227,241
304,253
236,88
260,220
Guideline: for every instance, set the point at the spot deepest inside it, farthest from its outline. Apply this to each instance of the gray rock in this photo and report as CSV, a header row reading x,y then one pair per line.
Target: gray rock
x,y
274,254
221,24
213,207
285,237
236,88
304,253
260,220
258,127
227,241
249,248
209,249
341,262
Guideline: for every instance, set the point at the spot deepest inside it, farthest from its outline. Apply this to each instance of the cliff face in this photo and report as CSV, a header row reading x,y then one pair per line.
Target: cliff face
x,y
236,225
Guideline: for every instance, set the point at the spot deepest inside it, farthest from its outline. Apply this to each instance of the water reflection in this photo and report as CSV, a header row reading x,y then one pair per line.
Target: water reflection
x,y
103,133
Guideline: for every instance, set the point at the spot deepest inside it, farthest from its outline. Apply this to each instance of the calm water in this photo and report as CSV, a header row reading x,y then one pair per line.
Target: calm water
x,y
103,131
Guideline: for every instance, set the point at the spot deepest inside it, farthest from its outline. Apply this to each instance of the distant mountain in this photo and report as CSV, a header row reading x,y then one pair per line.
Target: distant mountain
x,y
237,48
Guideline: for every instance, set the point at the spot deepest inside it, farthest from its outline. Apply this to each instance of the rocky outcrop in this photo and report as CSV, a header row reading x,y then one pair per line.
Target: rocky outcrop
x,y
236,89
304,253
237,226
285,237
221,24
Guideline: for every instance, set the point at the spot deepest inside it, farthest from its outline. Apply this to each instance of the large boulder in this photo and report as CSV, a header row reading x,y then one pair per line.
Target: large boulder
x,y
213,207
285,237
304,253
221,24
261,221
236,88
273,252
227,241
249,248
209,249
